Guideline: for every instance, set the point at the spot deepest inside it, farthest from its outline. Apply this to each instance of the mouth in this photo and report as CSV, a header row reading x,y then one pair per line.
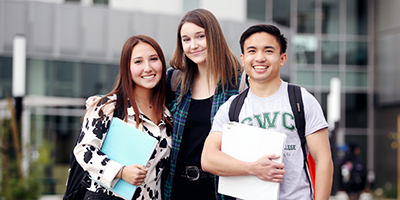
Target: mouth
x,y
149,76
260,67
195,53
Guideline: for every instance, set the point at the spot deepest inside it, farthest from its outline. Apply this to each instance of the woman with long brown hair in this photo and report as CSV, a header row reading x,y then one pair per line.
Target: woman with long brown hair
x,y
140,92
207,74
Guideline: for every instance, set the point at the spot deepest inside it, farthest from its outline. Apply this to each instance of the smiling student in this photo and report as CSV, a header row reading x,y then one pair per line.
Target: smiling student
x,y
263,54
208,73
140,91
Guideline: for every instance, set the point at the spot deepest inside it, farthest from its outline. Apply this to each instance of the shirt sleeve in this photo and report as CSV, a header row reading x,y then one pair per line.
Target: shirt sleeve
x,y
87,151
315,119
222,116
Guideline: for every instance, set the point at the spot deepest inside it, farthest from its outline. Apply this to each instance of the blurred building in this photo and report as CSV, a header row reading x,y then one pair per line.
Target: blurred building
x,y
73,49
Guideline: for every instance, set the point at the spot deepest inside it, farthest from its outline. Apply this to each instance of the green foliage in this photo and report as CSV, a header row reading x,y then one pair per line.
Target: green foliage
x,y
30,186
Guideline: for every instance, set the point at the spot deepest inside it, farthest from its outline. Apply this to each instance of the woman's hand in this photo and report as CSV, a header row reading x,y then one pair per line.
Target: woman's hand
x,y
134,174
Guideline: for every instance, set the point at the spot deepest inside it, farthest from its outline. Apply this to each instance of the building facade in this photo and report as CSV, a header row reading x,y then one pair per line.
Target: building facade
x,y
73,49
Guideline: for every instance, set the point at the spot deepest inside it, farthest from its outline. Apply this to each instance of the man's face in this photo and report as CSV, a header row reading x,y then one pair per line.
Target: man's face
x,y
261,58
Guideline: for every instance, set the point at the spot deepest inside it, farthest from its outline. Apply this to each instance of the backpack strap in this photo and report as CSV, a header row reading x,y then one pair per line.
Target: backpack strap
x,y
296,103
175,79
236,106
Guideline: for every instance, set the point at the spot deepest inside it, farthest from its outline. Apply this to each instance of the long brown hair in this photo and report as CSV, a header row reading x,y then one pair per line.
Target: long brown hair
x,y
222,64
124,84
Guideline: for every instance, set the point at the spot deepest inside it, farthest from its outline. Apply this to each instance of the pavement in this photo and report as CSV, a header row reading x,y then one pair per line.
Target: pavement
x,y
340,195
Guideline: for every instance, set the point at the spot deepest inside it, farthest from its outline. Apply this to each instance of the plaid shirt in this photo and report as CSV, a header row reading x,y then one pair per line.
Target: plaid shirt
x,y
179,112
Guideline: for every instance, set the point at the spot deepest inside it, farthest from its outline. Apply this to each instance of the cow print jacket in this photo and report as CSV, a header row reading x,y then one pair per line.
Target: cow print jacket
x,y
104,170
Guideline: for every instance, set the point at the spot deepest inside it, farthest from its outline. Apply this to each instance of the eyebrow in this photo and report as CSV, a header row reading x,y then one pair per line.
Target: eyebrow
x,y
199,32
266,47
141,57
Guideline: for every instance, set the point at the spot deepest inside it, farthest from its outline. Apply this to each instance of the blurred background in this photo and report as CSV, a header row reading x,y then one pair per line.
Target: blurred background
x,y
72,50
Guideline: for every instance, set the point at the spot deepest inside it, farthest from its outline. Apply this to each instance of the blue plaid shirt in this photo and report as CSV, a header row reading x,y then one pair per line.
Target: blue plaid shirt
x,y
179,112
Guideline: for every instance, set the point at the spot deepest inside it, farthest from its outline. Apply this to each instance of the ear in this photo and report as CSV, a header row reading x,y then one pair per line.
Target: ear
x,y
283,59
241,60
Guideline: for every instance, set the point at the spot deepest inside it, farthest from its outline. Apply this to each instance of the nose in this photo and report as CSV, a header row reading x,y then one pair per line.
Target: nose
x,y
147,67
194,44
260,57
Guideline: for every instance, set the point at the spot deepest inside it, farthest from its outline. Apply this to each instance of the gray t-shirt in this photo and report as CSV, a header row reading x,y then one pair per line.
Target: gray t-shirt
x,y
275,113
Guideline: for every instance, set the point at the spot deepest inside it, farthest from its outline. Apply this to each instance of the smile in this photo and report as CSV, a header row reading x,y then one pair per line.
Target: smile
x,y
260,67
148,76
195,53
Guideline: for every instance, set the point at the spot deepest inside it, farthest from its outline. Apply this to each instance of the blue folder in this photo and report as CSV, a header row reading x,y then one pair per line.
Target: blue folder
x,y
127,145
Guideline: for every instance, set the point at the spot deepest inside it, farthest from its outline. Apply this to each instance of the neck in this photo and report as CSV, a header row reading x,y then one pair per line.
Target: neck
x,y
202,69
143,95
265,89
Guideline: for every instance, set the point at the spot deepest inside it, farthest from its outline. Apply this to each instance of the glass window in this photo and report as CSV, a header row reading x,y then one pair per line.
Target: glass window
x,y
256,9
357,79
330,52
105,2
62,79
326,77
330,17
5,77
356,17
356,110
281,12
356,53
305,48
190,5
306,16
305,78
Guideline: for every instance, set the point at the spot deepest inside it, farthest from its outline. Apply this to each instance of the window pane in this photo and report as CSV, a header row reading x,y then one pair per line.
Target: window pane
x,y
62,79
305,48
105,2
356,19
306,16
281,12
330,17
357,79
330,52
92,82
326,77
356,110
305,78
357,53
5,77
190,5
256,9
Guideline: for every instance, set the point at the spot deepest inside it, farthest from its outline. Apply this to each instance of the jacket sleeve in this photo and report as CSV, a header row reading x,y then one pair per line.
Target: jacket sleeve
x,y
87,151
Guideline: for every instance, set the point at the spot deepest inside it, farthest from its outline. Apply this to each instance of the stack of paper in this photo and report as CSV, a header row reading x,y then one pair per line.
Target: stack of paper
x,y
248,143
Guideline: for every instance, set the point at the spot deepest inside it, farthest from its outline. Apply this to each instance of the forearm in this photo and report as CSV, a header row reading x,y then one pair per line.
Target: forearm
x,y
323,178
221,164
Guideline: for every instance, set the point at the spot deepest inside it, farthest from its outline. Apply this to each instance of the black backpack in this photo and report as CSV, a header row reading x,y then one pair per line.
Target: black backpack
x,y
78,179
296,103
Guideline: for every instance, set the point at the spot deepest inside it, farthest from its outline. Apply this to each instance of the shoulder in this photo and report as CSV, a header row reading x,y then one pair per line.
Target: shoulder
x,y
105,105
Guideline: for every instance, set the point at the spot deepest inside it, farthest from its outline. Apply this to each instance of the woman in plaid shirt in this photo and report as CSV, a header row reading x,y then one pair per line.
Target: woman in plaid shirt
x,y
204,74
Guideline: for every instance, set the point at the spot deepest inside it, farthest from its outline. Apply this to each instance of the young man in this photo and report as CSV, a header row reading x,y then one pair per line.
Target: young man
x,y
267,106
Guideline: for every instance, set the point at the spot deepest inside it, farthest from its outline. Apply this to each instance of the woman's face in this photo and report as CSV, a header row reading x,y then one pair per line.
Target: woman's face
x,y
194,42
146,66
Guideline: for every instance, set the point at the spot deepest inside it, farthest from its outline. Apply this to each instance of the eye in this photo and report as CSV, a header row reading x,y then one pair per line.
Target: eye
x,y
154,58
201,36
185,39
251,51
137,62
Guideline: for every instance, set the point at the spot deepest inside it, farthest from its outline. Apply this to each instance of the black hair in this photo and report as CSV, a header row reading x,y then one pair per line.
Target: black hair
x,y
270,29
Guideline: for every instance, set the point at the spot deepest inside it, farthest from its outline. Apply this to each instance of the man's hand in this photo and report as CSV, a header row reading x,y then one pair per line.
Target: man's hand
x,y
266,169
